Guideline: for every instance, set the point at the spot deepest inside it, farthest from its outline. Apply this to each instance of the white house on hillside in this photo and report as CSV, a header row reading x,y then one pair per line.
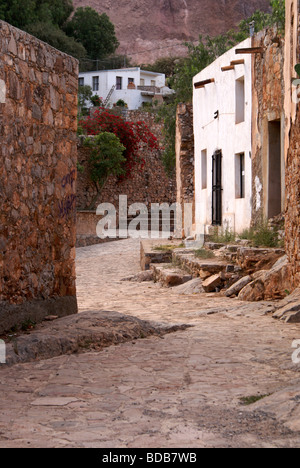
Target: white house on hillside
x,y
222,130
132,85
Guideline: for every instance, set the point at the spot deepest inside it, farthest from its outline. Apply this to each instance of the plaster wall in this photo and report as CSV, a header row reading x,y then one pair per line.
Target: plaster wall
x,y
223,133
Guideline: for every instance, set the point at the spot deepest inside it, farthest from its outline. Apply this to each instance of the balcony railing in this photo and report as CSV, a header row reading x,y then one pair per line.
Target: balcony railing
x,y
149,89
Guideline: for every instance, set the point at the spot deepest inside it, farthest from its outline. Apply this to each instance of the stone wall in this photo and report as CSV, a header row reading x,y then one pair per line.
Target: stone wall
x,y
185,176
292,211
152,185
38,110
268,106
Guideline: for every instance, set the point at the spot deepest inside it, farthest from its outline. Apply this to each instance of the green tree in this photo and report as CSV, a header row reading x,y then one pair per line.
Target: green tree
x,y
166,65
107,158
58,11
85,94
19,13
86,34
54,36
94,31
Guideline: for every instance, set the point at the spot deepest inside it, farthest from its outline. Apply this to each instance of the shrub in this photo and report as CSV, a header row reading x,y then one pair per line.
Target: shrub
x,y
223,237
132,135
203,253
106,157
262,235
121,103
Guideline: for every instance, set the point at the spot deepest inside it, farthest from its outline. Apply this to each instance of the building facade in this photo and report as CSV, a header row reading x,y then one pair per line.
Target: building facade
x,y
222,105
132,85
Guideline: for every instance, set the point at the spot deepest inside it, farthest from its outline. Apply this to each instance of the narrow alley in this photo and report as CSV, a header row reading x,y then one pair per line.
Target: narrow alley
x,y
185,389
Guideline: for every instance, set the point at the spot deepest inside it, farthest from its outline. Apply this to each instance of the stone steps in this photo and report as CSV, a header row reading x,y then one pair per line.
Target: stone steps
x,y
202,268
169,276
232,270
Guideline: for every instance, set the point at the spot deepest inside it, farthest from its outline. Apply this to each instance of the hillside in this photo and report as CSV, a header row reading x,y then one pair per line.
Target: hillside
x,y
151,29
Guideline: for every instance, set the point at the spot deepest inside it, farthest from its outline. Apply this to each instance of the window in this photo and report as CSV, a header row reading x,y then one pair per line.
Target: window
x,y
119,82
81,81
153,83
204,169
240,175
95,83
142,82
130,80
240,100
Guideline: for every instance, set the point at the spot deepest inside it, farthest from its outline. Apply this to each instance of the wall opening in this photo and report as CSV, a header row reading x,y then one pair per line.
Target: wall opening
x,y
95,83
204,169
119,82
240,175
240,100
217,188
274,169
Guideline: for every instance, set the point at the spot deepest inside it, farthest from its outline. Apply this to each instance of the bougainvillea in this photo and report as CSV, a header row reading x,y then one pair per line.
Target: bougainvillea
x,y
132,135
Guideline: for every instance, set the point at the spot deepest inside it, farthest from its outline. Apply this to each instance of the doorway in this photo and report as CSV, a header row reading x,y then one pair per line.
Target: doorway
x,y
274,169
217,188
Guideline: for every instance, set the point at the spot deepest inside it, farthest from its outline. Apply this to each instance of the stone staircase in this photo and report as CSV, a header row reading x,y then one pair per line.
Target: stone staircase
x,y
229,268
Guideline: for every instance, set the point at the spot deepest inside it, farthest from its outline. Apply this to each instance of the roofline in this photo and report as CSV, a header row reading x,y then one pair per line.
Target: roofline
x,y
123,70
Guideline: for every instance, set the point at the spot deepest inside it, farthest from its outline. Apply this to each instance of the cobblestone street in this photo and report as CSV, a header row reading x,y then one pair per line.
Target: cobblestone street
x,y
180,390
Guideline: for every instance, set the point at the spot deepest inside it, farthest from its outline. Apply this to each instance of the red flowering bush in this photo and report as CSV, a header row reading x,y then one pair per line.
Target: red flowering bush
x,y
132,135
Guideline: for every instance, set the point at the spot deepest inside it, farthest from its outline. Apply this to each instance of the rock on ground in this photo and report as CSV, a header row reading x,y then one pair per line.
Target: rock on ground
x,y
270,284
289,308
78,333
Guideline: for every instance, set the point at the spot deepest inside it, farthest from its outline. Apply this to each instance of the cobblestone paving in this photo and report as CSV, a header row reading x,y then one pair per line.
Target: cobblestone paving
x,y
182,390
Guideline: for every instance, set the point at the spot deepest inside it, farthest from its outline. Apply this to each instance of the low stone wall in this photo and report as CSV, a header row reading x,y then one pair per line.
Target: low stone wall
x,y
86,225
152,185
38,110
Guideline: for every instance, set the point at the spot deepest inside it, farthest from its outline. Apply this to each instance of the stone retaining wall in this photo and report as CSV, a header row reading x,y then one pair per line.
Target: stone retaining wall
x,y
152,185
38,110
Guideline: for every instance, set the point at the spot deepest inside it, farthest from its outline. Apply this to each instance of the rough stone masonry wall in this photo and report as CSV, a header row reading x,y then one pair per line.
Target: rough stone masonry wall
x,y
152,185
292,212
268,104
38,110
185,158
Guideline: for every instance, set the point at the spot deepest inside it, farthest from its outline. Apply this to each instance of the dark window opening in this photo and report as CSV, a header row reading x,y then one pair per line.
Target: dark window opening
x,y
119,82
217,188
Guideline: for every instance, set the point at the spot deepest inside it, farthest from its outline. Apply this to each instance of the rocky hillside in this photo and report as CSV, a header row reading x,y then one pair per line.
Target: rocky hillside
x,y
151,29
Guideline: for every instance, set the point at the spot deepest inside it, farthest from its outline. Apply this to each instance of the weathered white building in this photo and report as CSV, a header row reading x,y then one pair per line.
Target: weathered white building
x,y
222,105
132,85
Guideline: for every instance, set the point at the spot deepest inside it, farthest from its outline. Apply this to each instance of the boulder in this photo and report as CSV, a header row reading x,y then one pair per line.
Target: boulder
x,y
238,286
269,284
289,308
211,283
191,287
141,277
169,276
255,259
